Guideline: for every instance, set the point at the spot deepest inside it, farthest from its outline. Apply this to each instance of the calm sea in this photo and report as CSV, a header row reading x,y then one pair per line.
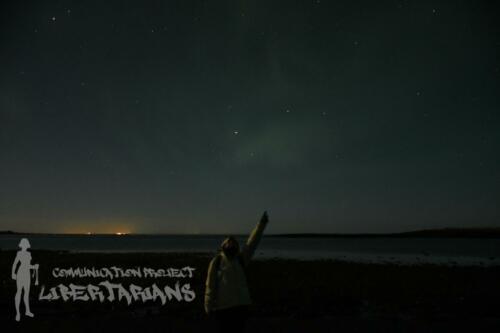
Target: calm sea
x,y
395,250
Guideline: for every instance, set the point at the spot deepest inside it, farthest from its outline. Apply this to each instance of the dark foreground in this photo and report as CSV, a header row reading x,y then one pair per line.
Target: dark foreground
x,y
289,296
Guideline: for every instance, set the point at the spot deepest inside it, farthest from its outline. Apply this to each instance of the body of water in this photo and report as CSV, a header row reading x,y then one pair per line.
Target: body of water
x,y
448,251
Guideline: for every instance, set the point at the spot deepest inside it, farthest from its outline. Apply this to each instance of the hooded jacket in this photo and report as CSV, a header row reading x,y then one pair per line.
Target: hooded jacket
x,y
226,284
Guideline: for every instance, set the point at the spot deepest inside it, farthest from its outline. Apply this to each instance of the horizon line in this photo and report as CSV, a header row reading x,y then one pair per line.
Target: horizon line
x,y
312,234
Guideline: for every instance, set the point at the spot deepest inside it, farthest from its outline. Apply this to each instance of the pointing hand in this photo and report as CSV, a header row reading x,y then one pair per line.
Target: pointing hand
x,y
264,218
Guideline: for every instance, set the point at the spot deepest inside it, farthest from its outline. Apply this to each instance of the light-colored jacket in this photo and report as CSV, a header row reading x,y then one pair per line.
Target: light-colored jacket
x,y
226,285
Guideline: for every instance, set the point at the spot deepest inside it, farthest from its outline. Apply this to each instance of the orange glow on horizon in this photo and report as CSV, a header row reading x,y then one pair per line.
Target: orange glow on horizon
x,y
96,228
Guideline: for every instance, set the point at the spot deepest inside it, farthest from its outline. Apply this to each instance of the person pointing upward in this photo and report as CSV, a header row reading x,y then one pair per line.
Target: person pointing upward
x,y
227,298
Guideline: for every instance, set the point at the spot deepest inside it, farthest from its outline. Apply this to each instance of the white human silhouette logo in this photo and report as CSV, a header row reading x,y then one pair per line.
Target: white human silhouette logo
x,y
23,277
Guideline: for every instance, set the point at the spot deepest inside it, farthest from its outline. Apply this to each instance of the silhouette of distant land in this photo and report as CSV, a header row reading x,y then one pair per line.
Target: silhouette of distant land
x,y
426,233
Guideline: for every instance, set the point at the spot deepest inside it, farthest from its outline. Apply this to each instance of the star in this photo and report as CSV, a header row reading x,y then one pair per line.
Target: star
x,y
53,18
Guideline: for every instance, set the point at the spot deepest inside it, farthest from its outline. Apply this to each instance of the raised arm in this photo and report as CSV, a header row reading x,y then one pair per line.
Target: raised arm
x,y
254,238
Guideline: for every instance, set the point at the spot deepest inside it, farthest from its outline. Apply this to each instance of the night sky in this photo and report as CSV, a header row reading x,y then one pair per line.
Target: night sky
x,y
195,116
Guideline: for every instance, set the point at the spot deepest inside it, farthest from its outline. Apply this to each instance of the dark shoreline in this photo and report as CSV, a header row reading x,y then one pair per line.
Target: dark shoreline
x,y
286,293
444,233
426,233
